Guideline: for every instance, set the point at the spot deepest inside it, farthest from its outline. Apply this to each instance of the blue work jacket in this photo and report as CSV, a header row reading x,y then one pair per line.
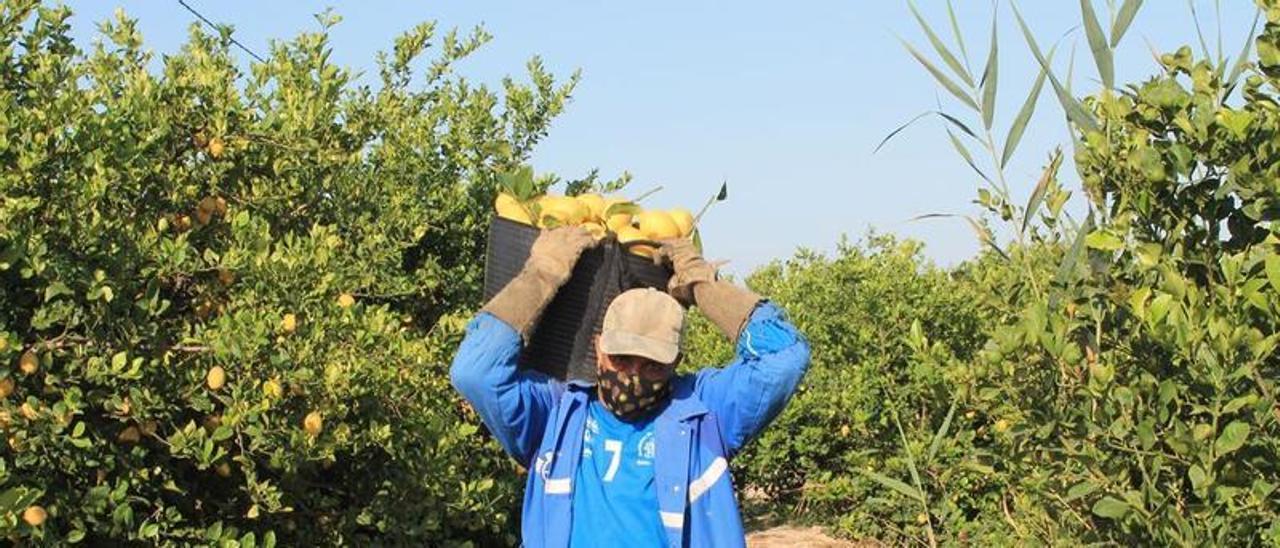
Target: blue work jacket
x,y
710,416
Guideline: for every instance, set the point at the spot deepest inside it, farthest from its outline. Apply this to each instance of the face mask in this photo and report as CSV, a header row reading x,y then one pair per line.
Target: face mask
x,y
629,396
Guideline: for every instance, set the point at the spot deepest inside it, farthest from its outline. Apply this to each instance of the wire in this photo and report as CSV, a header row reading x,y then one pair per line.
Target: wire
x,y
218,28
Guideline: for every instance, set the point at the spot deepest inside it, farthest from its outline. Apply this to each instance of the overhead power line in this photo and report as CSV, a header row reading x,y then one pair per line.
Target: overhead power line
x,y
218,28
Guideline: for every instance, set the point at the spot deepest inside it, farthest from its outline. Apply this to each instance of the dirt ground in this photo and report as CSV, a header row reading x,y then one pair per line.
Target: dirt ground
x,y
796,537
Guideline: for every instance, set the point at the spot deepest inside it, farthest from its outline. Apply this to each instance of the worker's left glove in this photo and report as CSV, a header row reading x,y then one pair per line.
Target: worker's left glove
x,y
695,282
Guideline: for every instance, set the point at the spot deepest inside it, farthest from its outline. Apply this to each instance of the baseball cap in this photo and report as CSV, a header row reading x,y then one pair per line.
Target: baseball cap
x,y
643,322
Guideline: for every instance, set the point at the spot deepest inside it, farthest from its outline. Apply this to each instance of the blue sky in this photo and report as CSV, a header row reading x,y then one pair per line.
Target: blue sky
x,y
785,100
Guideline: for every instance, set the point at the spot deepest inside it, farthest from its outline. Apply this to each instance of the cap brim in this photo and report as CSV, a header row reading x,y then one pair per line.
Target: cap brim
x,y
619,342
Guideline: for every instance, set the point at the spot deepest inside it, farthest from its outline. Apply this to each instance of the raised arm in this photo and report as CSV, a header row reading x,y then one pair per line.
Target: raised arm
x,y
772,356
516,404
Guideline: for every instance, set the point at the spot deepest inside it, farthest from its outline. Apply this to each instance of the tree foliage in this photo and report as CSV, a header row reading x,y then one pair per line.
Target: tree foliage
x,y
315,240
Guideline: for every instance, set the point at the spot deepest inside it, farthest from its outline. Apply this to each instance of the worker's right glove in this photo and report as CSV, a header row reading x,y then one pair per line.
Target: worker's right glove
x,y
551,261
695,282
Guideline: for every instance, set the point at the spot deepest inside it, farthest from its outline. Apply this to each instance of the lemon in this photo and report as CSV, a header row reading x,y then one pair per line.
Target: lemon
x,y
509,208
34,515
272,389
683,220
597,230
630,234
594,204
6,387
28,363
215,378
345,300
216,147
313,423
564,211
618,220
657,225
289,323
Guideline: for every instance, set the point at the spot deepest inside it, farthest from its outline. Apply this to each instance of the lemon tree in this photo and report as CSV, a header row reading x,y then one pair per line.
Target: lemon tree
x,y
229,291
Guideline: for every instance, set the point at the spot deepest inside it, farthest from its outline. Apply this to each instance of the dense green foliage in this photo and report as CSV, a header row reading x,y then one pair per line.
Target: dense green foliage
x,y
1125,387
160,218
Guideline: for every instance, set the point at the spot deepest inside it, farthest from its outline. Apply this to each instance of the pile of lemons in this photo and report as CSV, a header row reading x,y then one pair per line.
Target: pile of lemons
x,y
600,216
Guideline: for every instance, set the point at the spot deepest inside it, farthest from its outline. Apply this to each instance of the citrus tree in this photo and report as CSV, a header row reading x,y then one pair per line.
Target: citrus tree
x,y
229,292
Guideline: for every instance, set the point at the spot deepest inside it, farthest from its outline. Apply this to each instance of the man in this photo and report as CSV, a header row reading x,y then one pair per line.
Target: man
x,y
641,458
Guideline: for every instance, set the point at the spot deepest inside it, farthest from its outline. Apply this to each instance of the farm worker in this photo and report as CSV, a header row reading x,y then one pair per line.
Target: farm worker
x,y
640,458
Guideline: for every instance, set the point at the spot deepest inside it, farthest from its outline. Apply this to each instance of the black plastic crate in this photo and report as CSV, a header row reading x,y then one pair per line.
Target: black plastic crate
x,y
563,342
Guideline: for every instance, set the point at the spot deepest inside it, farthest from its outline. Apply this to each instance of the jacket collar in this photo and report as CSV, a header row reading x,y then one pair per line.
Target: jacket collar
x,y
684,404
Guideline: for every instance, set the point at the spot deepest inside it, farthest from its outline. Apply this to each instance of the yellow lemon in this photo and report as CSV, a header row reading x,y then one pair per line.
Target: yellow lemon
x,y
216,147
564,211
345,300
313,423
510,208
289,323
28,363
215,378
272,389
34,515
683,220
597,230
6,387
594,204
618,220
657,225
630,234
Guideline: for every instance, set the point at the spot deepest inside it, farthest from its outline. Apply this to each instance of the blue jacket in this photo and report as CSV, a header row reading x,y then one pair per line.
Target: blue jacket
x,y
712,414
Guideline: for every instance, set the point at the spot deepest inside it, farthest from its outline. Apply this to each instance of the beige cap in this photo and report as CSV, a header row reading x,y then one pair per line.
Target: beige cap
x,y
643,322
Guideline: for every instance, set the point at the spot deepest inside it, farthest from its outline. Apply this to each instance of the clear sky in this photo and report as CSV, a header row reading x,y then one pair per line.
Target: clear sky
x,y
785,100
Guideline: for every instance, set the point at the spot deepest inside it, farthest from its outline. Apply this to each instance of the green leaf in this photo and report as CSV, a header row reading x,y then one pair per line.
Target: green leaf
x,y
1123,19
964,153
1049,175
955,29
1024,114
1272,266
1242,61
942,78
899,129
1074,110
1098,43
1232,437
1081,490
1103,240
1110,507
990,78
941,48
894,484
942,430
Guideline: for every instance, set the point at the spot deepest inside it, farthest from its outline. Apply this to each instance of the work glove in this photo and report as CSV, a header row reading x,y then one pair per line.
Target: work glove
x,y
549,266
694,282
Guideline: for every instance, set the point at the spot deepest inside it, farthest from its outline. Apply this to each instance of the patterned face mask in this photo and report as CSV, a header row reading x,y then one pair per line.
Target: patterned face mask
x,y
630,396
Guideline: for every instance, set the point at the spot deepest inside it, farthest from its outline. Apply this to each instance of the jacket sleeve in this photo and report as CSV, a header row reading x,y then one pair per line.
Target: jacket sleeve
x,y
746,394
515,404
